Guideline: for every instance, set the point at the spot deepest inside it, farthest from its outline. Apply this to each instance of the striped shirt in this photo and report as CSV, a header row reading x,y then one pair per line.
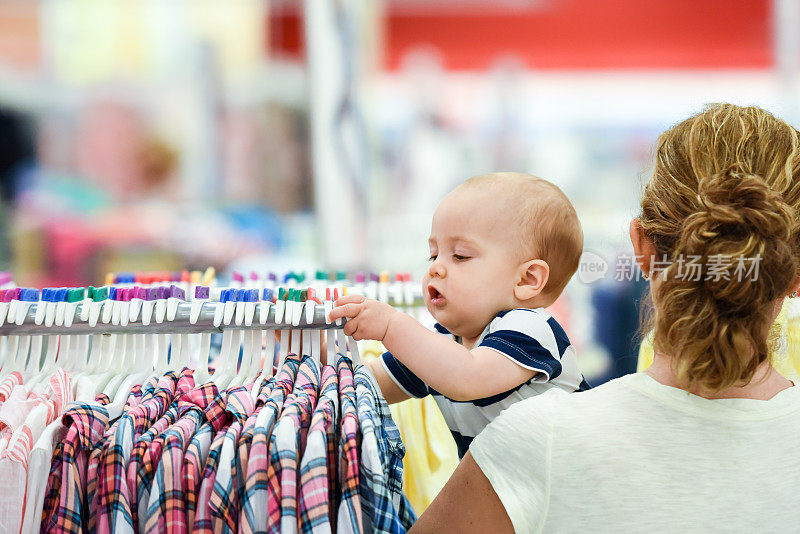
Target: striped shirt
x,y
532,339
45,408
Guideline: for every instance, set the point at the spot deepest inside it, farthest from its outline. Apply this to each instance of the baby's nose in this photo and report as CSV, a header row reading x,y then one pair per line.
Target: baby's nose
x,y
437,269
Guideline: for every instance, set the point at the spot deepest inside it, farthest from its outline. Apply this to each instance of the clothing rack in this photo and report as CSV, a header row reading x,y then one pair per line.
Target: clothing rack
x,y
181,324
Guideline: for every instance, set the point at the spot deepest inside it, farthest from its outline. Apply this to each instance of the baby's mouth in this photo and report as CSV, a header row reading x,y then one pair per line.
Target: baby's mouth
x,y
436,298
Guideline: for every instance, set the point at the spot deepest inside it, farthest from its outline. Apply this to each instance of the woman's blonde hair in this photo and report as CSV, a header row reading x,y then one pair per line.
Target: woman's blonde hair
x,y
722,209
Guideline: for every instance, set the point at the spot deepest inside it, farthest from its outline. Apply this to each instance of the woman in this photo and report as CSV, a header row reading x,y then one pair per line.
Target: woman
x,y
708,437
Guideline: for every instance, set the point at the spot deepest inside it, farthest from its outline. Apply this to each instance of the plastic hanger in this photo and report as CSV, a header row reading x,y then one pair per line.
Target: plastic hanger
x,y
296,314
268,359
245,311
231,340
201,296
5,304
180,342
280,313
111,314
17,312
315,335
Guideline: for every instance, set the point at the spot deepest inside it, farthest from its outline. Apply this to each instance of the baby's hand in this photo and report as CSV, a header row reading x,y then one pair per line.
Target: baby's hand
x,y
369,319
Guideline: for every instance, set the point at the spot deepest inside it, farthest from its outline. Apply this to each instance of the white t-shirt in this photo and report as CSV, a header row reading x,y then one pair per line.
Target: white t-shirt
x,y
634,455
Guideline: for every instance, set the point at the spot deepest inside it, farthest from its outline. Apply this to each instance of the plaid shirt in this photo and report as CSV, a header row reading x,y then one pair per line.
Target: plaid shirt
x,y
150,387
229,489
380,496
53,485
286,442
68,512
221,496
390,445
134,397
253,517
113,496
166,510
318,467
194,459
239,405
147,451
349,513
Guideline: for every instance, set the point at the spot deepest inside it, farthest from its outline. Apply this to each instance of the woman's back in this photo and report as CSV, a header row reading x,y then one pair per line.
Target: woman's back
x,y
635,455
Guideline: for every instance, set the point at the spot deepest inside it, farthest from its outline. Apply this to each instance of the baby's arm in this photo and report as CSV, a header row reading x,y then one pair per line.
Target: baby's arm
x,y
443,364
389,389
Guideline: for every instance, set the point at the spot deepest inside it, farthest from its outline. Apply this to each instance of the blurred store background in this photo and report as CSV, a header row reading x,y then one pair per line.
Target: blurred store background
x,y
255,135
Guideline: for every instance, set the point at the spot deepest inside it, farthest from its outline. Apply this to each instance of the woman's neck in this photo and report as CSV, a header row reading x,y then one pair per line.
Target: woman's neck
x,y
765,384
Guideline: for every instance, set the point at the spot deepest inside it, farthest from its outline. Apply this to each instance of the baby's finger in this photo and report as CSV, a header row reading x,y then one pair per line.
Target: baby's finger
x,y
346,310
350,327
349,299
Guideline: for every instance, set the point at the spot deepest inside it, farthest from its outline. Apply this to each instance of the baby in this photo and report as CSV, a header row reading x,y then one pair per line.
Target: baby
x,y
503,247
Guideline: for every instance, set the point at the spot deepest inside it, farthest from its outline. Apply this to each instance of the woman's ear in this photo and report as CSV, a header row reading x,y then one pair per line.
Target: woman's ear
x,y
795,288
533,278
643,247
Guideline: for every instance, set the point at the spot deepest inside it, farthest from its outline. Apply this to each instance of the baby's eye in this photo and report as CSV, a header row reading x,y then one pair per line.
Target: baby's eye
x,y
432,258
459,257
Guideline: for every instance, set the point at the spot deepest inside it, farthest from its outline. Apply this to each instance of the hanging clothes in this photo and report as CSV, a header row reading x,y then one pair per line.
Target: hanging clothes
x,y
348,519
23,423
254,515
386,510
431,453
317,451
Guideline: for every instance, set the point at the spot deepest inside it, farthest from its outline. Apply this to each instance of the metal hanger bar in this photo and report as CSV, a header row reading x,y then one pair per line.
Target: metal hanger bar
x,y
180,325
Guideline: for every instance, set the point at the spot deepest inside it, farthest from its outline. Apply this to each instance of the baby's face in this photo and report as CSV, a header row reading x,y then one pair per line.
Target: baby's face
x,y
473,270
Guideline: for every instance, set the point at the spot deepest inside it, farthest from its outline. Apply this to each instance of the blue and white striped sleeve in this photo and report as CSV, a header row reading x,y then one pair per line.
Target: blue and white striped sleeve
x,y
410,383
530,338
405,379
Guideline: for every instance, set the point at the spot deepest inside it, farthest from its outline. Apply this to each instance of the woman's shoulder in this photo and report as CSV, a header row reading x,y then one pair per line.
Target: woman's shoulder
x,y
557,406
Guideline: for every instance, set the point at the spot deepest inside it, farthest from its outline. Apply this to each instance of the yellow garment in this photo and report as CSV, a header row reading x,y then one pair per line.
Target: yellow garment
x,y
431,454
785,362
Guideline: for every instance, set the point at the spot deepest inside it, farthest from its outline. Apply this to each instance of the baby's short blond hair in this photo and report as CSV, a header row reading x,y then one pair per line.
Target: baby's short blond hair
x,y
546,224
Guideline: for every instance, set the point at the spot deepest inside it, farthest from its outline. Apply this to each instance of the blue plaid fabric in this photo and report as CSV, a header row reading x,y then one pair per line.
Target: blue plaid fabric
x,y
381,489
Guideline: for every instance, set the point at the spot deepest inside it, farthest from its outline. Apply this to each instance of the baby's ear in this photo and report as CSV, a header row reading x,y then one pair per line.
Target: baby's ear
x,y
533,279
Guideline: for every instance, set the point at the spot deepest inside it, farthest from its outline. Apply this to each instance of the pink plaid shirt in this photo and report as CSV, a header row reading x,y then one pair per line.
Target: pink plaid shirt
x,y
166,508
239,406
86,424
145,458
232,469
194,459
318,468
286,442
253,517
114,495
